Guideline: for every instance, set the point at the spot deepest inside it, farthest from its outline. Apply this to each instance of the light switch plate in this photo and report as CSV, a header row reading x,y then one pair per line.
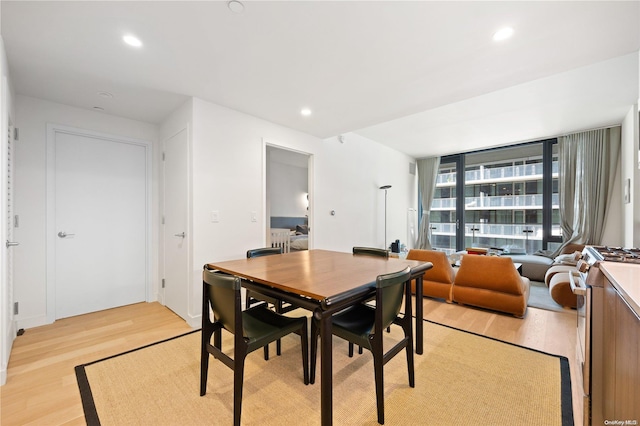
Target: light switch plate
x,y
215,216
254,216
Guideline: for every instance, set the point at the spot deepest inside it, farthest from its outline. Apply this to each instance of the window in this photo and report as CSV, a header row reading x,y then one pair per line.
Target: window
x,y
443,209
497,198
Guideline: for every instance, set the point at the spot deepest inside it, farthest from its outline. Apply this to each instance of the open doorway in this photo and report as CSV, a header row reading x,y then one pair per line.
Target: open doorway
x,y
287,199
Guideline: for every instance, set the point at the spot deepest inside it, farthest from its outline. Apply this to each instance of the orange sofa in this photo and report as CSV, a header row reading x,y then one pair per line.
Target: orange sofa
x,y
437,281
491,282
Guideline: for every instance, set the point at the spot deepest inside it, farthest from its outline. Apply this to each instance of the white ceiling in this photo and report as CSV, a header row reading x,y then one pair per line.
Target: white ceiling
x,y
424,77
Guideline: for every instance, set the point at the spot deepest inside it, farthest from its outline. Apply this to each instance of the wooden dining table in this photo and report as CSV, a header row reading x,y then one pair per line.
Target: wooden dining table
x,y
324,282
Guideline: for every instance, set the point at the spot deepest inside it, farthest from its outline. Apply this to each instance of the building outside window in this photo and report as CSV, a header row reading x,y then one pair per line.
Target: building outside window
x,y
503,203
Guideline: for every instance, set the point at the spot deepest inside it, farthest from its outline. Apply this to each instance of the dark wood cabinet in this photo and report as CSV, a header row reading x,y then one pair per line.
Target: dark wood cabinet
x,y
621,369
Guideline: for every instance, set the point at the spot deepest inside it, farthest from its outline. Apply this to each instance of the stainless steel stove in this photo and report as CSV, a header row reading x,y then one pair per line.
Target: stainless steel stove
x,y
613,254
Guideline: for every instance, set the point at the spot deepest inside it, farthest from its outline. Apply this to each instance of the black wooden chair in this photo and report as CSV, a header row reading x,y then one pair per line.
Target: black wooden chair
x,y
252,329
368,251
371,251
361,324
254,297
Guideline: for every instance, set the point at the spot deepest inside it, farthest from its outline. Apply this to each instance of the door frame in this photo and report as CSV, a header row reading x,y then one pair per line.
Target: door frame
x,y
52,130
310,188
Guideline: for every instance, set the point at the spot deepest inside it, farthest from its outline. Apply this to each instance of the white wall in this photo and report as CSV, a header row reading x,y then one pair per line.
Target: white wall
x,y
288,186
32,116
228,175
228,161
351,174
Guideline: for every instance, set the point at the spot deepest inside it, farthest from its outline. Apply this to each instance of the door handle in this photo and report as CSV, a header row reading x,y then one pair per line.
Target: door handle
x,y
12,244
182,235
63,234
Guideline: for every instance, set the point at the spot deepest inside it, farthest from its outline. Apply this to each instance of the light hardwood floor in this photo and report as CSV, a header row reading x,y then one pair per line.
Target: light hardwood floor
x,y
41,386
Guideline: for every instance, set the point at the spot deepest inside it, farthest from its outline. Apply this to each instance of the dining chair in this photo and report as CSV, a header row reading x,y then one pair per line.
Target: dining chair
x,y
368,251
257,297
254,296
371,251
252,329
361,324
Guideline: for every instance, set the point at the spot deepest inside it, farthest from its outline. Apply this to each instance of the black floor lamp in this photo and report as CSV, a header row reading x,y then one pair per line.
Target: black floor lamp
x,y
385,187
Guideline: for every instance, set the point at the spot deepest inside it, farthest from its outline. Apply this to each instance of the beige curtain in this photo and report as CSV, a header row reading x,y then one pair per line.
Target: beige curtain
x,y
587,166
427,175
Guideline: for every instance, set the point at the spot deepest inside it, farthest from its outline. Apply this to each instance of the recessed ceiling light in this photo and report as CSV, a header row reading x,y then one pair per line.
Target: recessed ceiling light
x,y
106,95
235,6
503,34
305,111
132,40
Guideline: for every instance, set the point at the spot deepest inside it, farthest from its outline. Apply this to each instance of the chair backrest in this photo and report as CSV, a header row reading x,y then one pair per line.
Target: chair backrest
x,y
371,251
389,295
266,251
490,273
441,272
223,296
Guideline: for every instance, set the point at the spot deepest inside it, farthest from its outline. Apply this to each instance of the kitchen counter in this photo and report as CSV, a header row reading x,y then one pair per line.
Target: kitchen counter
x,y
625,278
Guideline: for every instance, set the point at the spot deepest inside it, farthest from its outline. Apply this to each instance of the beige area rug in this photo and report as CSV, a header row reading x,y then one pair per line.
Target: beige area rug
x,y
461,378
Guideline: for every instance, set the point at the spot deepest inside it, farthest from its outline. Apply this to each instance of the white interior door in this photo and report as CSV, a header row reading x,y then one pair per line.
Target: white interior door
x,y
99,228
10,219
176,235
7,323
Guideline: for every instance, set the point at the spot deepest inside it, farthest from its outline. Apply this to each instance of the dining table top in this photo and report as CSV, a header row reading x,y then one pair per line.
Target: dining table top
x,y
317,274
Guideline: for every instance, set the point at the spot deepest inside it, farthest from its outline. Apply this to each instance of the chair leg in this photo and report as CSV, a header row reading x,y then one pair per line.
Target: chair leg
x,y
360,350
378,366
304,342
238,377
315,333
204,370
266,352
350,350
410,369
204,356
278,343
409,348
